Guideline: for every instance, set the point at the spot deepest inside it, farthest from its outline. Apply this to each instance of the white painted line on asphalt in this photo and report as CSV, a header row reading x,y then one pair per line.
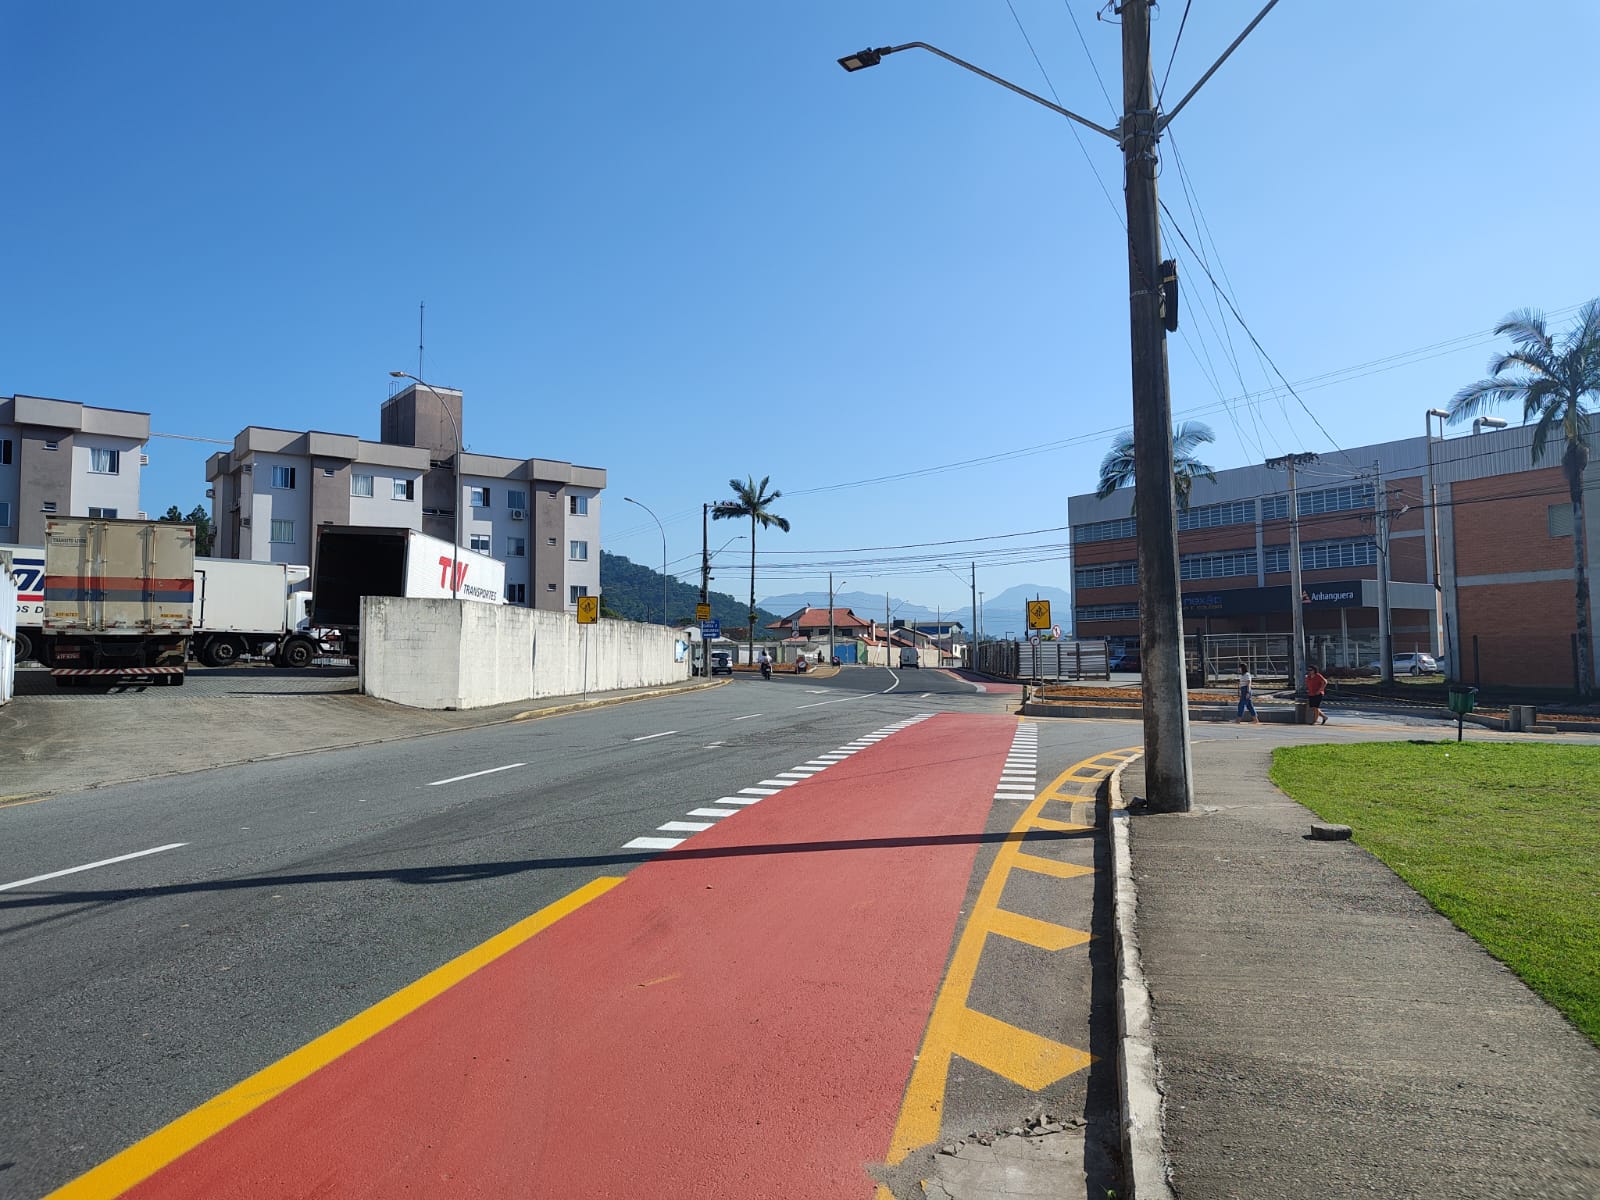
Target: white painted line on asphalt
x,y
760,791
747,716
714,745
651,736
712,812
475,774
104,862
816,691
652,843
738,799
685,826
820,703
798,774
777,783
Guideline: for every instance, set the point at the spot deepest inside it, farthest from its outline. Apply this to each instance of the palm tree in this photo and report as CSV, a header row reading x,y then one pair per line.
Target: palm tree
x,y
1551,381
751,499
1116,469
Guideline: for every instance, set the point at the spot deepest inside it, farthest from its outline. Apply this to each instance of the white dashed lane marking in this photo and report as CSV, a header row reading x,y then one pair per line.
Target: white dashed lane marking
x,y
766,787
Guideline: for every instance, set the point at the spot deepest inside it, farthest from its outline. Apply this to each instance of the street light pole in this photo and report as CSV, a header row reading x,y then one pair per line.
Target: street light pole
x,y
1432,525
455,507
657,520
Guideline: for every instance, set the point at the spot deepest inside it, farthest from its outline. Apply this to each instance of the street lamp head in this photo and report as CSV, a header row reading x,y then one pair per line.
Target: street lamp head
x,y
1488,423
1437,412
863,58
399,375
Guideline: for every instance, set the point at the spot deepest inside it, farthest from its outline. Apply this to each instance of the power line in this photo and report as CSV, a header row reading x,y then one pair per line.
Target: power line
x,y
1162,90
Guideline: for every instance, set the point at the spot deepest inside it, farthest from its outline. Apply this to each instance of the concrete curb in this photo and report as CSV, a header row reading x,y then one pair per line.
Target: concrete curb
x,y
1144,1157
1132,712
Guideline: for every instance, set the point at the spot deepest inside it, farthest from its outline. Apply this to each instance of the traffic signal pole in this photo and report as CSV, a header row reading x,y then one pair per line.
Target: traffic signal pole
x,y
1169,770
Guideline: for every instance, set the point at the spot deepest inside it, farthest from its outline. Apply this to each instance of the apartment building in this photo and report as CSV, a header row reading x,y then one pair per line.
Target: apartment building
x,y
541,517
1503,610
62,458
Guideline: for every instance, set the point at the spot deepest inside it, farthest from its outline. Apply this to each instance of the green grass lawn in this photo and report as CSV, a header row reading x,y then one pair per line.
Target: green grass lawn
x,y
1502,839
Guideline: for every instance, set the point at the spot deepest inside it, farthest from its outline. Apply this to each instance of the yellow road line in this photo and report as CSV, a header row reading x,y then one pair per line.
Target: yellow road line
x,y
1024,1058
147,1156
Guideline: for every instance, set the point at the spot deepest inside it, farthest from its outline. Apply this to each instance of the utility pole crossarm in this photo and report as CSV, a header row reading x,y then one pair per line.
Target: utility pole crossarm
x,y
1163,122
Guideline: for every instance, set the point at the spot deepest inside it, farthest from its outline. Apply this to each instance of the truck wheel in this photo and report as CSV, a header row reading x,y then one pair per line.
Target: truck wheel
x,y
177,679
297,653
24,646
222,652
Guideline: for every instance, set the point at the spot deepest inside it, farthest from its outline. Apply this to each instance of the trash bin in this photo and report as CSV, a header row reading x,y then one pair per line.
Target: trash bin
x,y
1302,713
1462,701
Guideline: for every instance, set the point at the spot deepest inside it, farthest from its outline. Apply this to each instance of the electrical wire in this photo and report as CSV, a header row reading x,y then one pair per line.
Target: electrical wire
x,y
1162,90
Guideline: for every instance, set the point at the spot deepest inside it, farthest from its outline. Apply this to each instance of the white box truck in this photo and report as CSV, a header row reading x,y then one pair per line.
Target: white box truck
x,y
246,607
118,600
353,561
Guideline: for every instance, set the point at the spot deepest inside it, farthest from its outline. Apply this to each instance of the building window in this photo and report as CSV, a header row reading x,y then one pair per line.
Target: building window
x,y
549,541
405,489
578,551
105,462
549,587
578,506
49,506
1108,612
1274,508
1103,531
327,472
105,514
1117,574
361,485
516,547
575,591
1339,499
479,542
478,497
5,452
282,531
516,498
1323,556
1219,565
283,477
5,515
1558,519
1211,516
516,593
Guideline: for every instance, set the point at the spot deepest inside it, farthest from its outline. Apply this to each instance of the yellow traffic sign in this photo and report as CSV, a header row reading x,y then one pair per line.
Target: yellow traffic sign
x,y
702,612
588,610
1038,614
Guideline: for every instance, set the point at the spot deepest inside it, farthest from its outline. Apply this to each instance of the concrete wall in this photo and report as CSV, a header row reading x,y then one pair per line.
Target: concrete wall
x,y
451,654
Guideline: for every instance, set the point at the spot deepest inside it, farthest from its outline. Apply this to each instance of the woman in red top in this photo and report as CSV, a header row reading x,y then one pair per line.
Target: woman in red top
x,y
1316,688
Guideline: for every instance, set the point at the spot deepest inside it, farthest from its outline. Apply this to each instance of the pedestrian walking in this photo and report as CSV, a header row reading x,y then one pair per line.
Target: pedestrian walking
x,y
1246,703
1316,689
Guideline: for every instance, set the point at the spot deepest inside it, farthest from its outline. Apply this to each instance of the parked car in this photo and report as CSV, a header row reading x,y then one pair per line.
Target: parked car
x,y
1411,664
1124,660
722,662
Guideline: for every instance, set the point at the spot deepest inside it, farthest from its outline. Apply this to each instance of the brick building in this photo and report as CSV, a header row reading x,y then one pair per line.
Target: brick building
x,y
1505,610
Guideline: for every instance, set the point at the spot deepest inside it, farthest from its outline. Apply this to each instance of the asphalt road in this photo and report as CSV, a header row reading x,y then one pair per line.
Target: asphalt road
x,y
259,906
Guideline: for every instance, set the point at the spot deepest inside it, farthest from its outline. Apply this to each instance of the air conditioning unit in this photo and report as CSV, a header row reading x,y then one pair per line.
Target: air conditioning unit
x,y
144,460
248,468
144,516
211,493
519,514
245,521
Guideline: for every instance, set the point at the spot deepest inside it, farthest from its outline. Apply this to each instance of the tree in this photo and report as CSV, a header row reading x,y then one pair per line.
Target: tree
x,y
1116,469
751,499
1551,380
199,518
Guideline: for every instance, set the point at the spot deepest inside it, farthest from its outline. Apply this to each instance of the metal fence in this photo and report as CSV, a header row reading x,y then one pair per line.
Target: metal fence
x,y
1047,660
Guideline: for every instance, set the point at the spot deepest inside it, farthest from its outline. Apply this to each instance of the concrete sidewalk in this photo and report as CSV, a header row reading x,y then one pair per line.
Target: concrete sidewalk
x,y
1321,1031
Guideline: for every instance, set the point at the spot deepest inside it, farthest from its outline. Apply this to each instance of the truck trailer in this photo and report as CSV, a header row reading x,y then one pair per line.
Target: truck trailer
x,y
118,600
353,561
27,572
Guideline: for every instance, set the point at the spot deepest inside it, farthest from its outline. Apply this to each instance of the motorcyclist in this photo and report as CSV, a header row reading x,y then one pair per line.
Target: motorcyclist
x,y
766,665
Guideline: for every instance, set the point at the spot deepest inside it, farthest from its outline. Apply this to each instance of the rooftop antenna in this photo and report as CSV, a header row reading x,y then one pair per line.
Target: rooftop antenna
x,y
422,306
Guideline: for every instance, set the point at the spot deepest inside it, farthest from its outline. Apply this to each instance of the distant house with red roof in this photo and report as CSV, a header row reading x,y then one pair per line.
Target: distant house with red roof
x,y
812,624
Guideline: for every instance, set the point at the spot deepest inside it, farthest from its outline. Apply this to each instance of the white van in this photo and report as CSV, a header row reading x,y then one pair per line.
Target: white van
x,y
908,657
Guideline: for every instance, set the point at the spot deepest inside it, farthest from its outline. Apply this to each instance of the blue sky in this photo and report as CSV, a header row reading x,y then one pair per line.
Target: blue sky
x,y
680,243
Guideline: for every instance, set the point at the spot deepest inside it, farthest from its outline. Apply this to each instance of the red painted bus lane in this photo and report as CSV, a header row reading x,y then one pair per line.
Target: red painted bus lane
x,y
738,1018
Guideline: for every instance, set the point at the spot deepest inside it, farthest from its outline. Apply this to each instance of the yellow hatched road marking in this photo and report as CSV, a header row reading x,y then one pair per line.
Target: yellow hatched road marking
x,y
1025,1058
144,1158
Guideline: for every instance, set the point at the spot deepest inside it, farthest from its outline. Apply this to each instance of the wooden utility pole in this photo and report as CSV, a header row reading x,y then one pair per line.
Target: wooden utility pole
x,y
1169,772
